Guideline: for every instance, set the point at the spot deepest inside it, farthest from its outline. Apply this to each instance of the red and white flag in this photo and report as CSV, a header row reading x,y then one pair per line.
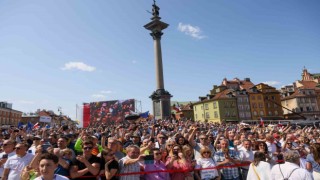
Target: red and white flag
x,y
36,126
261,121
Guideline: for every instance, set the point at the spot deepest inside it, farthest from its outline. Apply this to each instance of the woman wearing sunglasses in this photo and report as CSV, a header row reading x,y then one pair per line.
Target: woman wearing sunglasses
x,y
109,166
206,161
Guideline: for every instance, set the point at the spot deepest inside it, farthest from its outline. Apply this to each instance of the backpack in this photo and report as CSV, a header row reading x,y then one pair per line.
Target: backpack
x,y
287,178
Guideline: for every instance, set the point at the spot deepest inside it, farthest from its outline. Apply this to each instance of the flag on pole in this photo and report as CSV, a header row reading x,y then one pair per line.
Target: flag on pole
x,y
29,126
261,121
145,114
176,108
20,125
36,126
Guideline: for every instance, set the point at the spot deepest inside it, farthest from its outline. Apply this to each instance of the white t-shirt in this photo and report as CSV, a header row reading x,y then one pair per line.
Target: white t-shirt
x,y
56,177
287,169
16,165
9,155
263,170
246,155
207,163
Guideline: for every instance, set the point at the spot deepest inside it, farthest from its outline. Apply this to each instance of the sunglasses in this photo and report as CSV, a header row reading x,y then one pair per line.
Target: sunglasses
x,y
106,154
87,148
289,143
170,145
207,152
176,149
203,138
162,137
157,154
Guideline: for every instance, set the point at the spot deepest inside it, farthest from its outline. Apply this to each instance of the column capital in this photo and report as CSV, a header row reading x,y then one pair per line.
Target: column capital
x,y
156,35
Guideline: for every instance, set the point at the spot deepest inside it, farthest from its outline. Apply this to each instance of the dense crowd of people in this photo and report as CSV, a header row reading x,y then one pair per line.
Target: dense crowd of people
x,y
162,150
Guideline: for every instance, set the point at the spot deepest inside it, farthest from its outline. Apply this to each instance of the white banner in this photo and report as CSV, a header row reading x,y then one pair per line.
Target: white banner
x,y
46,119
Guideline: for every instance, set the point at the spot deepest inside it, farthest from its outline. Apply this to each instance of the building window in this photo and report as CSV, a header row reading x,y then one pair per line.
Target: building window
x,y
216,114
254,105
253,97
206,106
207,115
269,105
215,105
261,105
255,113
259,97
270,113
261,113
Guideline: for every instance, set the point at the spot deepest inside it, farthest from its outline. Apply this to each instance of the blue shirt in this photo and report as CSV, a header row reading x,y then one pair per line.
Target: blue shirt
x,y
228,173
62,171
315,165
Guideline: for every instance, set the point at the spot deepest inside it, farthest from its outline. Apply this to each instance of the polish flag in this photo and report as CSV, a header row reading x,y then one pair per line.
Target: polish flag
x,y
36,126
261,121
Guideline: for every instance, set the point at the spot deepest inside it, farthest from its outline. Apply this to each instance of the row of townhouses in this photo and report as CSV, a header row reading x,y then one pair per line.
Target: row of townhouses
x,y
240,100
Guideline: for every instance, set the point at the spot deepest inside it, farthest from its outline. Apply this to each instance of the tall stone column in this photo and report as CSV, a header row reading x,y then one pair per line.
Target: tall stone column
x,y
160,97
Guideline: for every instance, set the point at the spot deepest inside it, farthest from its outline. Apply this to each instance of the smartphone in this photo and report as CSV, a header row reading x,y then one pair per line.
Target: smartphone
x,y
5,156
152,140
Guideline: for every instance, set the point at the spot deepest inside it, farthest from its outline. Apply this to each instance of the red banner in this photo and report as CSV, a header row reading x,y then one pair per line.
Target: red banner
x,y
86,114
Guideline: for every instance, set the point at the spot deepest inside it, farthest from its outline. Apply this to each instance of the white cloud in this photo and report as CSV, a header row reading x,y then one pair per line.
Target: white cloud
x,y
78,65
193,31
106,92
272,83
98,96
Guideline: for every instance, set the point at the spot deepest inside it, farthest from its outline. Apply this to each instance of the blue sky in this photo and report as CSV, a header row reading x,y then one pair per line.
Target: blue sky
x,y
65,52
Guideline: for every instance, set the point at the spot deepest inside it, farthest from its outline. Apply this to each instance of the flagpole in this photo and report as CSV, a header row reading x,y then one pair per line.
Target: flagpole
x,y
76,112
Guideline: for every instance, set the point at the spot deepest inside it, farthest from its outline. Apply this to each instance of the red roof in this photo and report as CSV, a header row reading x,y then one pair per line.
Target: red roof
x,y
308,84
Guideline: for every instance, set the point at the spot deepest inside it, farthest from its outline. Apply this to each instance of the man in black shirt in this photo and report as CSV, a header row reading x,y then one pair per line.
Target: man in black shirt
x,y
86,164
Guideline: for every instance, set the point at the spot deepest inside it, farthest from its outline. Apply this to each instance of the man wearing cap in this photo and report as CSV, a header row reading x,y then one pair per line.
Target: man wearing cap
x,y
161,141
36,141
8,151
